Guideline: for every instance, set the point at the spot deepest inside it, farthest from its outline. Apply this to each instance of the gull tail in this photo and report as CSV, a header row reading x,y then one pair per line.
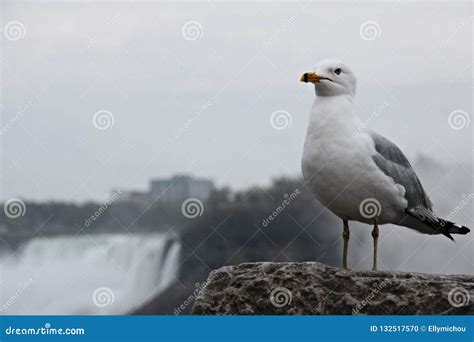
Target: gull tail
x,y
454,228
437,224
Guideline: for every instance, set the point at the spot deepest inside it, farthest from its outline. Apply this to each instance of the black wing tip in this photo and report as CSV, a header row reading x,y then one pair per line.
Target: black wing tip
x,y
455,229
449,236
439,225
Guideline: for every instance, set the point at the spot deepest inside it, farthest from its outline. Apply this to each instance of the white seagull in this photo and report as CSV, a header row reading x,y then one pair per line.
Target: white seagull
x,y
356,173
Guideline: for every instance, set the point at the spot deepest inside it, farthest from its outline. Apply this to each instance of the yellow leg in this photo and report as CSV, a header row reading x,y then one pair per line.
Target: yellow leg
x,y
345,235
375,235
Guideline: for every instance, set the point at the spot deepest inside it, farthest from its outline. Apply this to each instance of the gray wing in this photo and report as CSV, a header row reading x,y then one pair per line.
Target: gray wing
x,y
391,160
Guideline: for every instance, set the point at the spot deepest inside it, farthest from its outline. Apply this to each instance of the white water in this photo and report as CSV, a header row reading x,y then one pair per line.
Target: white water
x,y
59,275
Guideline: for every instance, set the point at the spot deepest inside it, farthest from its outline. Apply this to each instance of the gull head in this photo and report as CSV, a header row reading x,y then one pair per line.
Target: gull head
x,y
331,77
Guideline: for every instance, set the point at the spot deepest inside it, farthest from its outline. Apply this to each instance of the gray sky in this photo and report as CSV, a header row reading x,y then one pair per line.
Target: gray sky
x,y
204,105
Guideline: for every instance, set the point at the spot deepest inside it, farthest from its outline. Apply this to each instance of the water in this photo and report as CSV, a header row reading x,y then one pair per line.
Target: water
x,y
88,274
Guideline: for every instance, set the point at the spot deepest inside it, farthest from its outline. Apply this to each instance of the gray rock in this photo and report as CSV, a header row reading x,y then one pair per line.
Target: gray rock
x,y
311,288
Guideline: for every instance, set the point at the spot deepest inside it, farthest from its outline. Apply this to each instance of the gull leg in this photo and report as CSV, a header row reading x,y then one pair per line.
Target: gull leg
x,y
375,235
345,235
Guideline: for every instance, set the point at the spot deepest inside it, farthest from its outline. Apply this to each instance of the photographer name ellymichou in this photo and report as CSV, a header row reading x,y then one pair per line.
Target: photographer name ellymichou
x,y
418,328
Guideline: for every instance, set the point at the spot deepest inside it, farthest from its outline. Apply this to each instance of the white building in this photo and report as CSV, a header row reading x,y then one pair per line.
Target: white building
x,y
180,188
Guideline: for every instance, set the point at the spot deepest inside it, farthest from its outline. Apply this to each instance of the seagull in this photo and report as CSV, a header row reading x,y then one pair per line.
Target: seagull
x,y
357,174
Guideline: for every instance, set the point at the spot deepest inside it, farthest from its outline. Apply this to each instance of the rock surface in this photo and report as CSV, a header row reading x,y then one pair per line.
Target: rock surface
x,y
311,288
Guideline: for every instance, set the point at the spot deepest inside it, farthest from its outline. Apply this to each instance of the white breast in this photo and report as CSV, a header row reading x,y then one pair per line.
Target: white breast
x,y
338,167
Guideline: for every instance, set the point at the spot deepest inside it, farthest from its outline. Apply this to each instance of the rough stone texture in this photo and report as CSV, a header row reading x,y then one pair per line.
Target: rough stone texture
x,y
312,288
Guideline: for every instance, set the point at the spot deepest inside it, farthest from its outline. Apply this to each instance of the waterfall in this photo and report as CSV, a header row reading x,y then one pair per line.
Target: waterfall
x,y
87,274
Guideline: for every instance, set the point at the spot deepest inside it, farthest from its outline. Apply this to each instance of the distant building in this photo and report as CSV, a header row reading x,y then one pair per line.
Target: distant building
x,y
179,188
135,197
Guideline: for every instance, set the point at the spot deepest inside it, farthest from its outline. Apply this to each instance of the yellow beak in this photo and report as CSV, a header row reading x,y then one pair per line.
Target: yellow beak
x,y
312,77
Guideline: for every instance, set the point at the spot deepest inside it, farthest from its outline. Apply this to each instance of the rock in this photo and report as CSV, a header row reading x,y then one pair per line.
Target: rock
x,y
311,288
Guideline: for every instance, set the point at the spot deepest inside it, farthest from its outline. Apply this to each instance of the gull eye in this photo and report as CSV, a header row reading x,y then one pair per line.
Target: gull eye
x,y
337,71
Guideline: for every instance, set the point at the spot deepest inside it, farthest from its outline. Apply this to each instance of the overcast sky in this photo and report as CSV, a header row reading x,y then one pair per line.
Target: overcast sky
x,y
198,97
